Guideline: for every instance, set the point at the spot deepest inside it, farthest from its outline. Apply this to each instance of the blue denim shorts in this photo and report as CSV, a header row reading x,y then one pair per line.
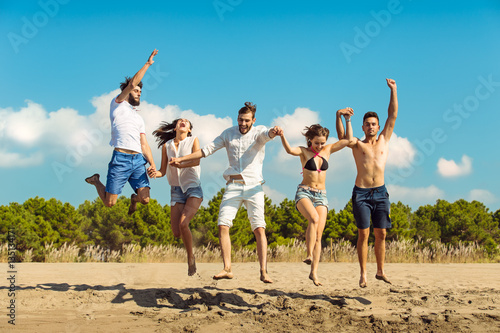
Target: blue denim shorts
x,y
177,196
371,203
318,198
126,167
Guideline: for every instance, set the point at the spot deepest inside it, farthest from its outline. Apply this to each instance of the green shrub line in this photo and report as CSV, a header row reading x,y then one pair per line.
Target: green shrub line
x,y
51,231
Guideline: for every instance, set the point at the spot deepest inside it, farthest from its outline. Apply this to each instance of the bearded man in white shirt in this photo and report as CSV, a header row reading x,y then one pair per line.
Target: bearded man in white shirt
x,y
132,151
245,146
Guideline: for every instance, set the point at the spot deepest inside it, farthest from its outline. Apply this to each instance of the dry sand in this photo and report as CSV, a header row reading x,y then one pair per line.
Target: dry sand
x,y
104,297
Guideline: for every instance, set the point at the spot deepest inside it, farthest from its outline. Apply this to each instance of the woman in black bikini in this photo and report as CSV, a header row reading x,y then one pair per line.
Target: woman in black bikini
x,y
310,199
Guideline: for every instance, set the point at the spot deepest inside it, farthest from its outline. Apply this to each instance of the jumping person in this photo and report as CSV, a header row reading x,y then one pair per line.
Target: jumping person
x,y
245,147
175,140
310,198
369,196
132,151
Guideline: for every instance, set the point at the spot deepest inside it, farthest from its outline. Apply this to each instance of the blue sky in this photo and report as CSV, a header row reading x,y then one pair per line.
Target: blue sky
x,y
299,61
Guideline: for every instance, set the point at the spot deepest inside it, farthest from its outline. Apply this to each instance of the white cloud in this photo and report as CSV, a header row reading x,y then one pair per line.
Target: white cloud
x,y
415,196
401,152
293,124
24,126
483,196
452,169
32,134
14,160
275,196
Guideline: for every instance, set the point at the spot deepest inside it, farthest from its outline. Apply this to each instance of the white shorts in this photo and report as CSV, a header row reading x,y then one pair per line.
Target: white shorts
x,y
252,196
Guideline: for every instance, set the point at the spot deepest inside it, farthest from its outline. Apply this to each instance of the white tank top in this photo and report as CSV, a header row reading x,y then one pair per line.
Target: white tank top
x,y
183,177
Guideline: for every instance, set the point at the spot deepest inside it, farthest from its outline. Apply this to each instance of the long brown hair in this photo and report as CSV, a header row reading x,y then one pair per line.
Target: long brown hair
x,y
166,131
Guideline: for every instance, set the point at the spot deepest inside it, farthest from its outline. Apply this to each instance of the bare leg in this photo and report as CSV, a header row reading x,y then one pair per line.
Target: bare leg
x,y
225,245
108,199
142,196
322,212
380,254
176,215
307,210
260,237
190,209
362,248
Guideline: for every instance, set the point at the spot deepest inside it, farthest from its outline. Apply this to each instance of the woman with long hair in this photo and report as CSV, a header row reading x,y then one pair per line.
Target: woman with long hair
x,y
310,198
175,140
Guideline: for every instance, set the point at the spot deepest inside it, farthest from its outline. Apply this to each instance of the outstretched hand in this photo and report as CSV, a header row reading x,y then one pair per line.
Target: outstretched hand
x,y
391,83
276,131
150,60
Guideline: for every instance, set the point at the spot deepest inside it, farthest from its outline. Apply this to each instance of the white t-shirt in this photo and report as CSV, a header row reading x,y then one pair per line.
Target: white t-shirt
x,y
245,152
126,126
183,177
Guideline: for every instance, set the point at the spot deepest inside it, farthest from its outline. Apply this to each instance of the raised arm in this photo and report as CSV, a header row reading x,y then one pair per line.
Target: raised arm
x,y
146,151
338,124
347,139
393,110
136,79
341,133
295,151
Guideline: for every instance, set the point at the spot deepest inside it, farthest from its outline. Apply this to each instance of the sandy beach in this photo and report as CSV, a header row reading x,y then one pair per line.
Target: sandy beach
x,y
106,297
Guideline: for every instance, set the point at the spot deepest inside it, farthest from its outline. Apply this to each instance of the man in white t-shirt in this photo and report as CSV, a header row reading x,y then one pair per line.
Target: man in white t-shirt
x,y
245,147
132,151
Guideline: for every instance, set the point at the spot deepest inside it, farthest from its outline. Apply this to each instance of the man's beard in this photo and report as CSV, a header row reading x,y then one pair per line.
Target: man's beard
x,y
248,129
132,101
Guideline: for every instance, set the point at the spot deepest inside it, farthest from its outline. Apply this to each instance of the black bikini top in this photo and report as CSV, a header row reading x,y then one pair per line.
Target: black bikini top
x,y
311,164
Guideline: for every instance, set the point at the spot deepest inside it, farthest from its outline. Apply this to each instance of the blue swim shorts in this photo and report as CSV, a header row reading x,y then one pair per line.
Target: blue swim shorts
x,y
371,203
317,197
126,167
177,196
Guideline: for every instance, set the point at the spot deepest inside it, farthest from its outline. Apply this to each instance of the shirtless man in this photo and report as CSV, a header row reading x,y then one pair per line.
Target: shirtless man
x,y
369,196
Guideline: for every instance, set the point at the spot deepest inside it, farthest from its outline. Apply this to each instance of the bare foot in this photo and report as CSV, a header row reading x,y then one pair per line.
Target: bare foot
x,y
383,278
191,267
92,180
314,279
264,277
362,281
224,275
307,260
133,204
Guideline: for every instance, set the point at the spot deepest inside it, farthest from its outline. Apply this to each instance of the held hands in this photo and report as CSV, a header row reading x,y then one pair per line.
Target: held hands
x,y
276,131
391,84
175,162
150,60
152,171
346,112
